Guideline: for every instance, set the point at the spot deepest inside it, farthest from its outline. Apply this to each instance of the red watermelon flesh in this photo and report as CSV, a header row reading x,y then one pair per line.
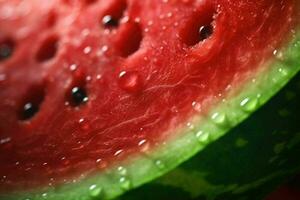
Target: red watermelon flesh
x,y
87,83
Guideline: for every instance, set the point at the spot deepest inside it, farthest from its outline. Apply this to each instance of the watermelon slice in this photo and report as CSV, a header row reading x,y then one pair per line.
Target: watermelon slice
x,y
99,97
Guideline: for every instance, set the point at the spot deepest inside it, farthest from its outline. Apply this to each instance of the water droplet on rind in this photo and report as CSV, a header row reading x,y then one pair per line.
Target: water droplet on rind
x,y
159,164
125,183
281,74
44,195
95,190
202,137
219,118
249,104
122,171
283,71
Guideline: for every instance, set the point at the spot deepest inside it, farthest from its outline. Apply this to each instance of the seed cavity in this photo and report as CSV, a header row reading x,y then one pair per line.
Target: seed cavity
x,y
199,27
7,47
48,49
129,40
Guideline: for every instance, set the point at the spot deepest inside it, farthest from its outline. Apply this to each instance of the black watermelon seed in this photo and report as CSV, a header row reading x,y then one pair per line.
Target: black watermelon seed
x,y
29,110
6,49
79,95
109,21
205,32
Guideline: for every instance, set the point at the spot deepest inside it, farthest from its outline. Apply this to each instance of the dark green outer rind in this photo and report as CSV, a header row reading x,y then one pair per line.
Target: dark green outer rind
x,y
198,137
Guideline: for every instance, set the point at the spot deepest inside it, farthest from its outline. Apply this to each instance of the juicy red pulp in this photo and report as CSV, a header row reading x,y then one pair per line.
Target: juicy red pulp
x,y
146,70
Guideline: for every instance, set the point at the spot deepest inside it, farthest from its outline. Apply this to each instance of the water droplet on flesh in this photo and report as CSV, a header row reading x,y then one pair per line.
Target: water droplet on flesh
x,y
144,145
83,124
104,49
73,67
130,81
119,152
196,106
101,164
87,50
5,140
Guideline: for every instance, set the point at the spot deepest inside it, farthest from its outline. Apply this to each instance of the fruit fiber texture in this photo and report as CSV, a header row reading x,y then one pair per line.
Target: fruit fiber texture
x,y
99,97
